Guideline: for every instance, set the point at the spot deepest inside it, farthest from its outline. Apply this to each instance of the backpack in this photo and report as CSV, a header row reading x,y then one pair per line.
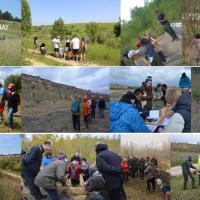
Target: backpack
x,y
73,172
75,106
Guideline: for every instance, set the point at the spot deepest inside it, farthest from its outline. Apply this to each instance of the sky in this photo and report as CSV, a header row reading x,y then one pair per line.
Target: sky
x,y
186,138
10,144
45,12
13,6
94,79
135,76
144,139
6,71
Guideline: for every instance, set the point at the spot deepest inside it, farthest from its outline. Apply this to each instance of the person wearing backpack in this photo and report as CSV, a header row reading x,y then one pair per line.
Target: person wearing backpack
x,y
86,111
93,107
85,169
74,172
76,113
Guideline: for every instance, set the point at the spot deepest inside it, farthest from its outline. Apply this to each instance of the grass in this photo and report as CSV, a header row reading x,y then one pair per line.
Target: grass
x,y
177,157
177,192
10,51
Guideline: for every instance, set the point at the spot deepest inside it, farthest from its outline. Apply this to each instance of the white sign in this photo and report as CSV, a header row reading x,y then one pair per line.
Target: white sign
x,y
4,27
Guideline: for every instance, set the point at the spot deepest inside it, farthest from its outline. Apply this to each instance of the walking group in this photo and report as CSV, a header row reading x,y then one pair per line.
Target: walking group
x,y
149,51
102,180
12,98
74,48
132,113
86,107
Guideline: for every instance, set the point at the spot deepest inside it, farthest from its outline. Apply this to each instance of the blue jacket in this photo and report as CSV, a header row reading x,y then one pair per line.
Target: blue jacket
x,y
47,160
125,118
31,161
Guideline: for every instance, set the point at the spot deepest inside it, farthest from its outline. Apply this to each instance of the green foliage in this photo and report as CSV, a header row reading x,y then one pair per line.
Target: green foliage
x,y
114,42
11,163
26,18
117,29
91,30
58,28
8,16
15,79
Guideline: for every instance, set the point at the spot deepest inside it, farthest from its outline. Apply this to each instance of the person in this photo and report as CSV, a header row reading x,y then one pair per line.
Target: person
x,y
196,49
74,172
166,25
48,158
158,100
142,167
2,101
101,107
51,174
93,107
43,49
96,185
67,48
125,170
124,116
151,55
84,169
86,111
164,91
199,168
76,157
14,101
30,163
147,98
76,113
151,176
56,46
83,47
109,165
186,165
35,42
155,161
130,166
75,45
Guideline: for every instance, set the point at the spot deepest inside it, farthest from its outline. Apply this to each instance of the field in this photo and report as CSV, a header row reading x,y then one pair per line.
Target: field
x,y
10,50
97,54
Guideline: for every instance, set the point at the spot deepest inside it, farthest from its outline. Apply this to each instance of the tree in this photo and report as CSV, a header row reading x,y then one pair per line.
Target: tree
x,y
15,79
91,30
117,29
26,18
58,28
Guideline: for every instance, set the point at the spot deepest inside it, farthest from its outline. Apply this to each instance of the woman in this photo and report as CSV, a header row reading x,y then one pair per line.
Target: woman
x,y
125,117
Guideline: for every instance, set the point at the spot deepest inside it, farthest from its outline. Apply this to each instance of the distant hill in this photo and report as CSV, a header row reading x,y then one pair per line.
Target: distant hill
x,y
184,147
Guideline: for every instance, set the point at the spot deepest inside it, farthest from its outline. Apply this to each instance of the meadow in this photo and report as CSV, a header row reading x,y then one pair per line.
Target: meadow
x,y
10,50
105,53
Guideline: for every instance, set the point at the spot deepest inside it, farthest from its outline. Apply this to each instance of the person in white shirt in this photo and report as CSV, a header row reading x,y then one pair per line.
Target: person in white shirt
x,y
75,45
56,46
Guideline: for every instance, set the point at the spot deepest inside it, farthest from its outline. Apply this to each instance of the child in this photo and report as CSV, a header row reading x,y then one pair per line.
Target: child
x,y
43,49
74,173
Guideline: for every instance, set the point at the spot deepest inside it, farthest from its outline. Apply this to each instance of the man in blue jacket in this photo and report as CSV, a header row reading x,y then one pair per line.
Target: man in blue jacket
x,y
31,162
108,164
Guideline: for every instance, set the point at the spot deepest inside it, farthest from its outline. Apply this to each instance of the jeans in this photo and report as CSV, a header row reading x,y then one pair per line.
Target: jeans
x,y
86,120
53,194
10,118
169,30
76,122
185,176
34,190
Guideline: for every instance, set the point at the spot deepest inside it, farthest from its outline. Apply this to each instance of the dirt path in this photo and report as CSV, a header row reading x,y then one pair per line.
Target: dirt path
x,y
136,189
58,119
59,60
177,170
173,50
36,63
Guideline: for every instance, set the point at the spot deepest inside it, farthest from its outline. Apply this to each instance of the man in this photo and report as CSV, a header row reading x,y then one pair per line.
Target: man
x,y
166,25
93,107
109,165
31,163
75,45
56,46
76,157
76,113
51,174
186,165
101,106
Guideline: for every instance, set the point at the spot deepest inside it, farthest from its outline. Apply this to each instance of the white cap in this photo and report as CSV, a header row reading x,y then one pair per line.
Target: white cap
x,y
132,53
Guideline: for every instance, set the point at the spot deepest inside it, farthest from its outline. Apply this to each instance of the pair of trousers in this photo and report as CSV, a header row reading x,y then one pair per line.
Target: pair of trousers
x,y
151,184
76,122
10,118
169,30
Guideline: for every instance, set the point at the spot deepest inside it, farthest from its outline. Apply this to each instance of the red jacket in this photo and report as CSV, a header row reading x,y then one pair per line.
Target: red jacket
x,y
77,173
86,108
124,166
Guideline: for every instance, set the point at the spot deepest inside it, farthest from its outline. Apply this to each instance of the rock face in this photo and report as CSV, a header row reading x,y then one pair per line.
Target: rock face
x,y
38,91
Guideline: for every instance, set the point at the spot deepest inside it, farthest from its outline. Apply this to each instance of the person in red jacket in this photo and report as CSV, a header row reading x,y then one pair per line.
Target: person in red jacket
x,y
125,170
86,111
74,172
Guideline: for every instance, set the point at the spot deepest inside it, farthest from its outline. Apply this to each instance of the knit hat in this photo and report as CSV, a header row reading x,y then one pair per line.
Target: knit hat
x,y
185,81
149,78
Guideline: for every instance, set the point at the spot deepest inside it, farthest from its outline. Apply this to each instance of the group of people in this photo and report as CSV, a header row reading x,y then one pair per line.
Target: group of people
x,y
149,52
74,49
102,180
86,108
13,101
131,113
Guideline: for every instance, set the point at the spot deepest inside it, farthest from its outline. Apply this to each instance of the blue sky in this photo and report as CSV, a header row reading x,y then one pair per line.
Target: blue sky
x,y
45,12
94,79
134,76
10,144
6,71
13,6
186,138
